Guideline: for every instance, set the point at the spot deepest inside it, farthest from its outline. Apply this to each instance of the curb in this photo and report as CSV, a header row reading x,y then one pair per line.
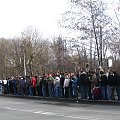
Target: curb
x,y
66,100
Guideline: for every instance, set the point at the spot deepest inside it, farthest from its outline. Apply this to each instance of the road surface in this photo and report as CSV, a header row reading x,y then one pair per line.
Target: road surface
x,y
23,109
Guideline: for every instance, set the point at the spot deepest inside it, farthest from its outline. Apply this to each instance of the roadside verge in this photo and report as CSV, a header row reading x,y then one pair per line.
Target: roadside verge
x,y
66,100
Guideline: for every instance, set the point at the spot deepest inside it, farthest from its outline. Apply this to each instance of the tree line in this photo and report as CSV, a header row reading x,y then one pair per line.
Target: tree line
x,y
95,40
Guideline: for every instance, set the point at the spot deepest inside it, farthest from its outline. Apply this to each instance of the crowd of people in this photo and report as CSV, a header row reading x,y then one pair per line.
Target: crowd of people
x,y
98,85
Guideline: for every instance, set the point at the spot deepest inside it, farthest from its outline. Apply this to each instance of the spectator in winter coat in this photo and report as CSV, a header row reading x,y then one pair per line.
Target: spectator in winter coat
x,y
5,86
74,81
62,79
83,85
66,86
30,87
38,86
88,85
103,85
93,80
11,91
15,84
22,86
34,83
0,86
50,81
110,85
43,83
117,79
57,86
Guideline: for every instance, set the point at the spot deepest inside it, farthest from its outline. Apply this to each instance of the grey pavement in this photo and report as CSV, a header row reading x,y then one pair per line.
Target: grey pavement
x,y
12,108
67,100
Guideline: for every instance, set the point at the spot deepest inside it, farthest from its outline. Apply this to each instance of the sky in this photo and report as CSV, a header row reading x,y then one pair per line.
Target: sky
x,y
17,15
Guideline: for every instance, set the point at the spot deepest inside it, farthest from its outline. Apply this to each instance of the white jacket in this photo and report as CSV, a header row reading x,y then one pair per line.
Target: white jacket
x,y
66,82
57,81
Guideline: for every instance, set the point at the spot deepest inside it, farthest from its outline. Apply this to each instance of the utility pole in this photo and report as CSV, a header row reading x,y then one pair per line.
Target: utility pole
x,y
94,60
91,51
101,44
24,58
78,56
79,63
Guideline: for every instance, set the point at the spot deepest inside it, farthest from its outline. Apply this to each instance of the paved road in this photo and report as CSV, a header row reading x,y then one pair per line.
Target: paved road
x,y
23,109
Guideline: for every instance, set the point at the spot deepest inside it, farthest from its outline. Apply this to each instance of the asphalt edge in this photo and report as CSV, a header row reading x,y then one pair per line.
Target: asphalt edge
x,y
66,100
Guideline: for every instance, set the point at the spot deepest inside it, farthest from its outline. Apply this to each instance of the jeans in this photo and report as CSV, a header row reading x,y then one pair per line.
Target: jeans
x,y
83,91
75,94
57,91
50,90
0,88
109,92
34,91
38,90
30,91
89,92
22,90
66,92
43,90
118,92
104,92
15,89
62,91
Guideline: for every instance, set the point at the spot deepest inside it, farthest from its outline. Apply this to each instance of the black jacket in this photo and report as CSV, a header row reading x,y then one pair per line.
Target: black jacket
x,y
103,80
111,80
83,79
117,79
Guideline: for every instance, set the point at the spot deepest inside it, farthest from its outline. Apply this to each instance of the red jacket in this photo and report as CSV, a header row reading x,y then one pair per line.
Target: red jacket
x,y
34,81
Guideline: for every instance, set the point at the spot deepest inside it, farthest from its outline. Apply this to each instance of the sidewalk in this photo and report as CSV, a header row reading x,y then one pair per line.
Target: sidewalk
x,y
66,100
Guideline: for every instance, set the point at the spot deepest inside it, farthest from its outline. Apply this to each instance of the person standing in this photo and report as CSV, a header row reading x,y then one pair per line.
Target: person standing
x,y
22,86
103,85
50,85
88,83
5,86
57,86
83,85
43,83
34,82
62,79
74,86
110,85
66,86
117,79
1,87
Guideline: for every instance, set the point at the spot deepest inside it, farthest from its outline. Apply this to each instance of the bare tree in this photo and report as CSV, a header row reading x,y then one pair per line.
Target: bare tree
x,y
36,50
90,19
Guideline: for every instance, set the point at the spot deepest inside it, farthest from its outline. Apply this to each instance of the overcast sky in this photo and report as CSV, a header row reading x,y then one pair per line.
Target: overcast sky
x,y
16,15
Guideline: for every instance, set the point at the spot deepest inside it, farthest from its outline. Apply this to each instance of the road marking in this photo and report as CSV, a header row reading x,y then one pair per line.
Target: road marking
x,y
15,109
102,111
45,113
52,114
17,103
